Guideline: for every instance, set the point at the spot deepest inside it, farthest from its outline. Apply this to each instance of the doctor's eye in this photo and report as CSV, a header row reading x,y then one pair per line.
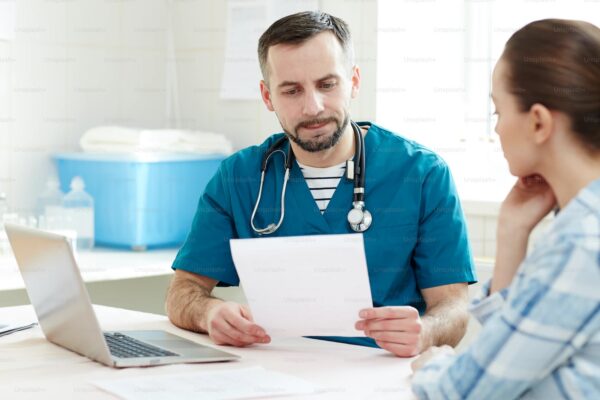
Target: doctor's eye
x,y
328,85
291,92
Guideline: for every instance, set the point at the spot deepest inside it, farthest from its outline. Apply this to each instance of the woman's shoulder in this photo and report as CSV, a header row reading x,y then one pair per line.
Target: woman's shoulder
x,y
579,223
568,254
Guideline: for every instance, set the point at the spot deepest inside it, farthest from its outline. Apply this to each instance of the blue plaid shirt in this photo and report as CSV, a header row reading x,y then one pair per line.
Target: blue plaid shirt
x,y
540,336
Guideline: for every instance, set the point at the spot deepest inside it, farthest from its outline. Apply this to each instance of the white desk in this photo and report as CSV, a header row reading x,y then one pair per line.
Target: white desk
x,y
33,368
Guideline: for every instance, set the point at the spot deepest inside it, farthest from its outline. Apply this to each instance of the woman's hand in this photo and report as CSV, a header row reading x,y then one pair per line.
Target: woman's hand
x,y
530,200
429,354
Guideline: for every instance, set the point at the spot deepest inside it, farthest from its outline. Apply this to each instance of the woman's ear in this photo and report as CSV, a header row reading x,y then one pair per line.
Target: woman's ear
x,y
542,121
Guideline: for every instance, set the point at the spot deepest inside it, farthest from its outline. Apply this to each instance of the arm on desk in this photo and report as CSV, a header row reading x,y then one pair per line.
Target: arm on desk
x,y
446,317
190,306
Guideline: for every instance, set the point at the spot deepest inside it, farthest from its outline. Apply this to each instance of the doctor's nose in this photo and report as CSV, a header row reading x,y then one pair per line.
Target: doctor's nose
x,y
313,103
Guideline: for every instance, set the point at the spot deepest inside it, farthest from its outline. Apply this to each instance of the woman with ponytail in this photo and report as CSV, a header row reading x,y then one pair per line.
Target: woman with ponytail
x,y
541,311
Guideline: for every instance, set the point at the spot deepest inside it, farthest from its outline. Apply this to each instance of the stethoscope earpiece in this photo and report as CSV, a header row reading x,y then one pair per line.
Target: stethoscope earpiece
x,y
358,217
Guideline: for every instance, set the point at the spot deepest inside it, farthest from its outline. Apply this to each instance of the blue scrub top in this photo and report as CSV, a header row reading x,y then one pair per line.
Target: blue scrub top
x,y
418,238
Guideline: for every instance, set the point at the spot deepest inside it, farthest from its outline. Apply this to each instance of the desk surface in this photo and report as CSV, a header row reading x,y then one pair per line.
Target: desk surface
x,y
100,265
33,368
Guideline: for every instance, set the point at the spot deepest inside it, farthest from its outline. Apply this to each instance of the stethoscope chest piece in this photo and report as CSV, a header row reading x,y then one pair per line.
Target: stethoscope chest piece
x,y
359,218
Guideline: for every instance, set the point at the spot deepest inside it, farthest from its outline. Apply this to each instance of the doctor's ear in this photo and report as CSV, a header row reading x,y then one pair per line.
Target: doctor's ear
x,y
543,122
266,95
355,80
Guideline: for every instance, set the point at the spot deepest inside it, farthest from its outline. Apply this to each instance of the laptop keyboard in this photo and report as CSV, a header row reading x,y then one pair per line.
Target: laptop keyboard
x,y
124,346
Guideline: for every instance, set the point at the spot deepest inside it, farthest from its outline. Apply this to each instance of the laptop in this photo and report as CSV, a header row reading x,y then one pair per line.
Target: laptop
x,y
65,314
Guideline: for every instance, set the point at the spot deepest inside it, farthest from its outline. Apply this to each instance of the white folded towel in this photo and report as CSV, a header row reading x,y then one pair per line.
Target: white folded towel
x,y
118,139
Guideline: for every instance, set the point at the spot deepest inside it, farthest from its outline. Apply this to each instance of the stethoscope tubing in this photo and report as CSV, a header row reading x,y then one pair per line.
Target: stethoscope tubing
x,y
358,179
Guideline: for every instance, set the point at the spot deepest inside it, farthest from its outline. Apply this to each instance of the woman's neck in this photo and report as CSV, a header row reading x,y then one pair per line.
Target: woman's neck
x,y
569,172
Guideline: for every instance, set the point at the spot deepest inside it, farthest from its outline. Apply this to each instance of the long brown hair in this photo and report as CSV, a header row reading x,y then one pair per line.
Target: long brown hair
x,y
556,63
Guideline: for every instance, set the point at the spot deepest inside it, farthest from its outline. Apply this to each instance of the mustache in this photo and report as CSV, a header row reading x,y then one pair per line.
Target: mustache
x,y
316,121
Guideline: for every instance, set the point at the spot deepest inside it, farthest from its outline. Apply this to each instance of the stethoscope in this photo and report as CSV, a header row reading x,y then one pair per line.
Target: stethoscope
x,y
359,218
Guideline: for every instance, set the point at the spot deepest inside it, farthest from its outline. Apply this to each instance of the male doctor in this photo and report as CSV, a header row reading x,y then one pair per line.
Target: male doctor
x,y
418,258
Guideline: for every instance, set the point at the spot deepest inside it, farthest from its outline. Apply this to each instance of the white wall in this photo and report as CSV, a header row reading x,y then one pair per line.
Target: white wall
x,y
73,65
482,223
78,64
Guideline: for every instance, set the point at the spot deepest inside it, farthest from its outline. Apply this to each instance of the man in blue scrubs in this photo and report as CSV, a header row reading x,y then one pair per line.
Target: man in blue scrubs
x,y
418,257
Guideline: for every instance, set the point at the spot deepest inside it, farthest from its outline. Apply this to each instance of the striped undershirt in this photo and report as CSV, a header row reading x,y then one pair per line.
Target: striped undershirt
x,y
322,182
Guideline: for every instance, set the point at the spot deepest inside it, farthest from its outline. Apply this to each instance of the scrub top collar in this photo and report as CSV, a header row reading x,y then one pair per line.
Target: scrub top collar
x,y
341,202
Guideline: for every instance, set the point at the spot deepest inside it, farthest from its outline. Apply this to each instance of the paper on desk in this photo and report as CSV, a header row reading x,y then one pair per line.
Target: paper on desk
x,y
243,383
7,329
304,285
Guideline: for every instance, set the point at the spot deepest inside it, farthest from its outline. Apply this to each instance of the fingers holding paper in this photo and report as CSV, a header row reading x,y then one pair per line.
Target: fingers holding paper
x,y
395,329
232,324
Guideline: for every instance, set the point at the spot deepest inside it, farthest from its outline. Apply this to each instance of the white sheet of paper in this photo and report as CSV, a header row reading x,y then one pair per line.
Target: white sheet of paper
x,y
241,73
246,21
15,325
304,285
243,383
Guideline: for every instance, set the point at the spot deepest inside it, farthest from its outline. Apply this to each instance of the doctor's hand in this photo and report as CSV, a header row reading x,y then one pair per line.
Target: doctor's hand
x,y
395,329
229,323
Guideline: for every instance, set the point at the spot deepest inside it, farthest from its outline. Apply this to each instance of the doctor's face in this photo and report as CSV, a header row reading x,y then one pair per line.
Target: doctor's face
x,y
309,87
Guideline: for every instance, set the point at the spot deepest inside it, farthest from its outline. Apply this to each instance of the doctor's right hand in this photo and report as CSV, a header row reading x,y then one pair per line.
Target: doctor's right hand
x,y
230,323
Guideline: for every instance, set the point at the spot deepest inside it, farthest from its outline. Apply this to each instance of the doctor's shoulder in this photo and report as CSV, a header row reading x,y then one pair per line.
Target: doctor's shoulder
x,y
406,152
248,159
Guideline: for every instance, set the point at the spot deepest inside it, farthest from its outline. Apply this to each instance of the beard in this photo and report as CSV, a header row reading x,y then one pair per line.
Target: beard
x,y
321,143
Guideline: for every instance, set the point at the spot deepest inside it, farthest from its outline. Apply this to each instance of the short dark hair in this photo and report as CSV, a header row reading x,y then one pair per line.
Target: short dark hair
x,y
299,27
556,62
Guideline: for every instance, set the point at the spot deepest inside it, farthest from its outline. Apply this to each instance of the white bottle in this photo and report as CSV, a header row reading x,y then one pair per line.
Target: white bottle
x,y
3,211
50,206
3,206
79,211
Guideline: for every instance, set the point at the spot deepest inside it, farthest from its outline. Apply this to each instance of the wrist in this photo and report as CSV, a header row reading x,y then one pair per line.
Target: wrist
x,y
511,250
511,230
206,314
425,339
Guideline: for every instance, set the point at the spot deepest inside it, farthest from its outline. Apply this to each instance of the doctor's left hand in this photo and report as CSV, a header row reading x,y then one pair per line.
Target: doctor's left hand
x,y
395,329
